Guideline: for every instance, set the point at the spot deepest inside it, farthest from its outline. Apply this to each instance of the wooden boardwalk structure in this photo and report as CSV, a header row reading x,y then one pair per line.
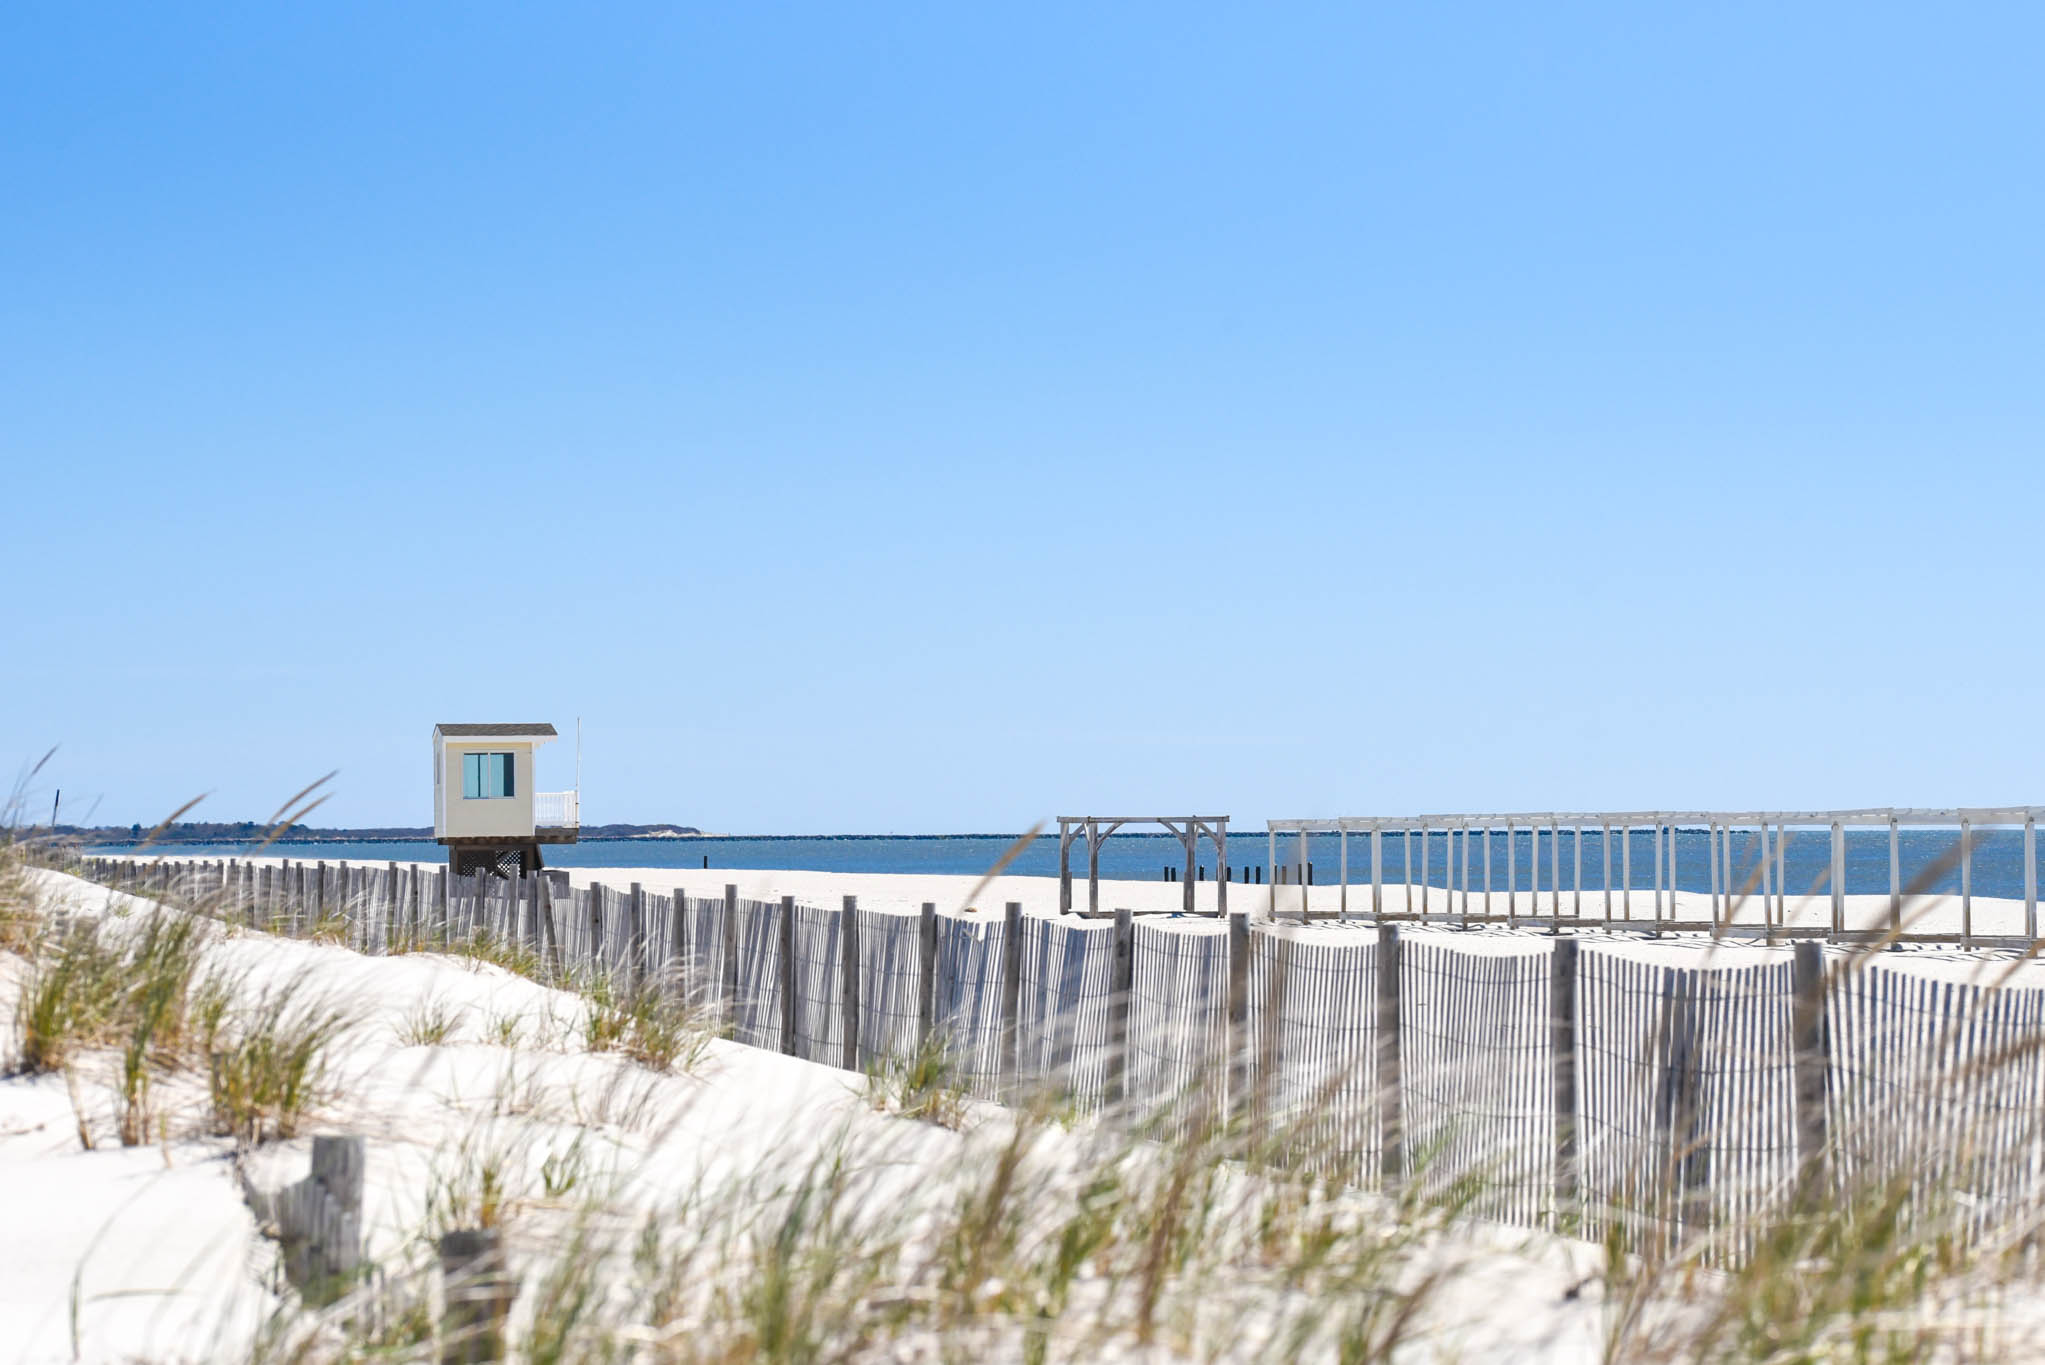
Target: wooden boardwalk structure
x,y
1479,884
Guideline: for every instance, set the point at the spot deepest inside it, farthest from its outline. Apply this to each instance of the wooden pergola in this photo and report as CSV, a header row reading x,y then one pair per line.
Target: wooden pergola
x,y
1769,878
1096,828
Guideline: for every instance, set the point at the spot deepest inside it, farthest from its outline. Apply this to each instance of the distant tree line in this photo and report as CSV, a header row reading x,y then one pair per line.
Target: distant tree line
x,y
249,831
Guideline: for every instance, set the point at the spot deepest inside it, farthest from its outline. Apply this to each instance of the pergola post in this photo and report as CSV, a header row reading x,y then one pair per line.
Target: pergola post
x,y
1768,887
1555,869
1626,871
1487,872
1966,883
1093,868
1301,877
1220,836
1512,902
1377,881
1576,878
1781,874
1064,866
1605,880
1406,868
1838,877
1895,874
1342,906
1466,872
1717,838
1658,871
1189,838
2030,876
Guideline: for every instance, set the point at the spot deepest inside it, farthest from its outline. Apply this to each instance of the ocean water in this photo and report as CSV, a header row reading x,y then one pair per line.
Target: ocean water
x,y
1998,862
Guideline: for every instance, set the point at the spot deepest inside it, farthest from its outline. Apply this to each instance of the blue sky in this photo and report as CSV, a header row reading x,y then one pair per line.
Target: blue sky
x,y
900,418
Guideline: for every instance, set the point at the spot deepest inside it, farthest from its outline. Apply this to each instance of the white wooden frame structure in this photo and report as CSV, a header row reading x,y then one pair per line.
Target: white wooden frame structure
x,y
1767,882
1096,828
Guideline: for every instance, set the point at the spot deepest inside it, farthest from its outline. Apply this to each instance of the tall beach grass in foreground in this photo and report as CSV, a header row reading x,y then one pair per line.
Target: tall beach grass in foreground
x,y
956,1230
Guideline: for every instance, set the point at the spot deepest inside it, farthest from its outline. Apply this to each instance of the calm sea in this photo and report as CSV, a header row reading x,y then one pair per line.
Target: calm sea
x,y
1998,862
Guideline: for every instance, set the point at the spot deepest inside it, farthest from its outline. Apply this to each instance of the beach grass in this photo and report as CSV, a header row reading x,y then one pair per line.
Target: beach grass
x,y
947,1229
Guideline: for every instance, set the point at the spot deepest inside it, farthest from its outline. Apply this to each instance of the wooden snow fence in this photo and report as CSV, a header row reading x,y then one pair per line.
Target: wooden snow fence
x,y
1550,1081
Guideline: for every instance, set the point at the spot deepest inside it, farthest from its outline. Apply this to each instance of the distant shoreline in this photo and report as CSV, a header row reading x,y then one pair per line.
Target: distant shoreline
x,y
96,840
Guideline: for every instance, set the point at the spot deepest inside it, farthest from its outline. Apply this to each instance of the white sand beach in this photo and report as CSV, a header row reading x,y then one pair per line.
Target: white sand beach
x,y
152,1252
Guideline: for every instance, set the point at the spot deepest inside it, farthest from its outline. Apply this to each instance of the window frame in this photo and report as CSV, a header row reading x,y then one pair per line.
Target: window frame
x,y
476,772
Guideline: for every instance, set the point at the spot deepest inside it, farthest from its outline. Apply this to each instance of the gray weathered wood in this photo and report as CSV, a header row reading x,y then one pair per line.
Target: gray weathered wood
x,y
2030,879
550,941
848,973
1238,1007
679,967
1120,983
729,972
1562,1061
790,1018
1391,1104
635,942
1011,989
478,1291
1895,876
926,978
1809,1044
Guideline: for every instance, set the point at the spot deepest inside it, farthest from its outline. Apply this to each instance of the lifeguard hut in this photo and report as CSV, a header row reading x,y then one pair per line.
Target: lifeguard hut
x,y
485,811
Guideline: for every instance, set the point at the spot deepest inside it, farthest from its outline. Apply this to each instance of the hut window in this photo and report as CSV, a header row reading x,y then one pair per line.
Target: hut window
x,y
486,775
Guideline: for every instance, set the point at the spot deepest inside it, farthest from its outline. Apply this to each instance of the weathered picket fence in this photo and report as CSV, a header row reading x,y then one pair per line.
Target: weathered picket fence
x,y
1571,1083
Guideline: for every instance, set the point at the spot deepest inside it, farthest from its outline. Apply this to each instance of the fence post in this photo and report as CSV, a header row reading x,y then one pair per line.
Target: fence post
x,y
729,967
1391,1106
1562,963
788,1011
1011,992
635,943
678,943
550,941
848,975
478,1293
1811,1044
1121,980
1238,1008
1677,1103
337,1168
926,979
1277,976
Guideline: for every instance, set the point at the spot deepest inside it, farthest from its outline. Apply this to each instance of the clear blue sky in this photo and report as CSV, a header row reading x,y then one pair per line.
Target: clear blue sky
x,y
896,418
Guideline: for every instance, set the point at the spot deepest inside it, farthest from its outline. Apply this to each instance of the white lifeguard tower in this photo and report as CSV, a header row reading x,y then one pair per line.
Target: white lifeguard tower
x,y
485,811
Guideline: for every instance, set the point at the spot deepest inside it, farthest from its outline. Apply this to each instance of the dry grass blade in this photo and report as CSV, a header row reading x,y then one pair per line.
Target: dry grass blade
x,y
164,824
1001,864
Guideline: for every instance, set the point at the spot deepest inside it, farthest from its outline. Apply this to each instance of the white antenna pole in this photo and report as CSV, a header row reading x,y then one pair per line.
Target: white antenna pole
x,y
578,760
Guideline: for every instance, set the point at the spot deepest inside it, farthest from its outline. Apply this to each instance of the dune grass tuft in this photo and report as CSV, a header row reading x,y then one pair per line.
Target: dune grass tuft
x,y
923,1085
272,1068
646,1023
